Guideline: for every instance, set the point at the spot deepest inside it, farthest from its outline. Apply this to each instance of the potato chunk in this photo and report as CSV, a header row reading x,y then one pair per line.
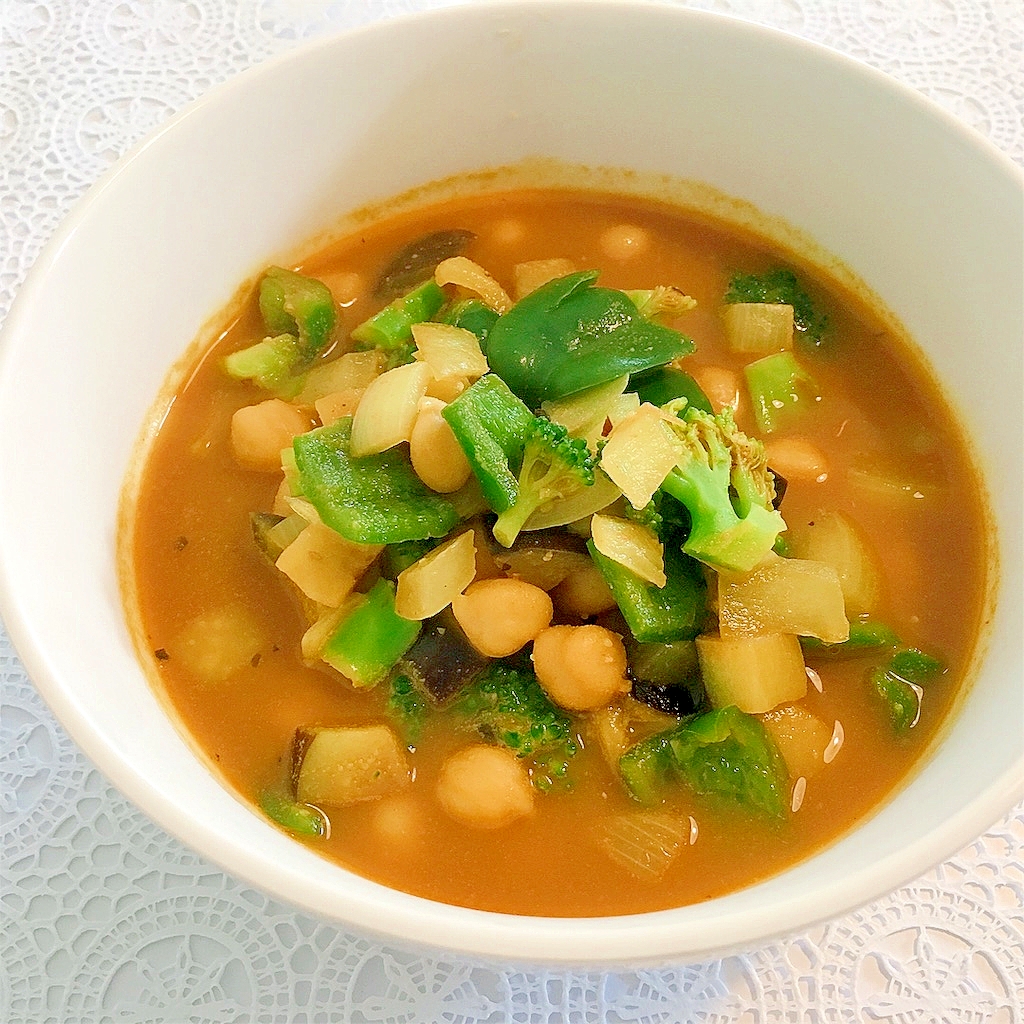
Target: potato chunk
x,y
801,738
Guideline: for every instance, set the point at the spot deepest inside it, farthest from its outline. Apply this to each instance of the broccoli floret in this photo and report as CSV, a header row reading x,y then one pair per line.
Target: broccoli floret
x,y
724,755
507,705
723,480
408,708
554,465
781,285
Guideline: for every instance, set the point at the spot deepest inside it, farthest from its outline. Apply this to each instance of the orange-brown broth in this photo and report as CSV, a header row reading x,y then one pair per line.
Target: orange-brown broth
x,y
194,552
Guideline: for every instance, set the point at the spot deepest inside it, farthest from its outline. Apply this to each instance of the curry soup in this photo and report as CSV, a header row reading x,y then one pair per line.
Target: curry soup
x,y
678,755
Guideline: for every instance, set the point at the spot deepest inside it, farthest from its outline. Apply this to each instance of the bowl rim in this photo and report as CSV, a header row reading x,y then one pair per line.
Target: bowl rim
x,y
413,920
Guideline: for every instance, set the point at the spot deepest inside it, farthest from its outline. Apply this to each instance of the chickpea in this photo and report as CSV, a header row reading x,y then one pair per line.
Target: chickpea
x,y
623,241
507,232
583,593
580,667
500,616
398,820
259,432
797,459
486,787
720,384
436,455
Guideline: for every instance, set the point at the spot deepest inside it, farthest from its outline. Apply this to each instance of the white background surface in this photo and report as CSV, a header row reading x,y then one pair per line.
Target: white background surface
x,y
104,918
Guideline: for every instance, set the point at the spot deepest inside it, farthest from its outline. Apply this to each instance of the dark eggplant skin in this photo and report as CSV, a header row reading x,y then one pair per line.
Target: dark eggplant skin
x,y
668,699
780,488
442,660
416,261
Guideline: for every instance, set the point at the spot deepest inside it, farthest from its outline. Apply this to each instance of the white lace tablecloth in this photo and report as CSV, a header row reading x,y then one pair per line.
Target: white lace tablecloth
x,y
105,918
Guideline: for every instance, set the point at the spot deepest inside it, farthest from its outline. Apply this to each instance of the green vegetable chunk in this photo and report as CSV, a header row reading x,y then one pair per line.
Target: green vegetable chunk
x,y
390,330
554,465
377,499
409,708
781,285
371,639
723,754
780,389
867,636
300,314
728,754
471,315
568,335
666,384
723,480
302,819
899,685
490,424
273,364
292,303
508,706
657,614
648,766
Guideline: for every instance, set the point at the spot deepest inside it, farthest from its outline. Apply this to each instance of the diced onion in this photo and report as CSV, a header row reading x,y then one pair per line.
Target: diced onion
x,y
632,545
645,843
388,409
462,271
449,351
639,454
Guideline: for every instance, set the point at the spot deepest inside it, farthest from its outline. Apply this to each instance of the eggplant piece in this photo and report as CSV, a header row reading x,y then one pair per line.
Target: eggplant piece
x,y
781,483
442,660
347,764
262,523
669,699
543,557
416,261
665,677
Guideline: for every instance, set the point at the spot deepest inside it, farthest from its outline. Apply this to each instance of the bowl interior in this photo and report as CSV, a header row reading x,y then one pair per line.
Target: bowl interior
x,y
926,214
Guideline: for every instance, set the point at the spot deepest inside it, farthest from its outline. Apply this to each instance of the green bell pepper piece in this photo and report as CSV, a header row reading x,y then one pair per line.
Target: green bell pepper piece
x,y
377,499
569,335
490,424
472,315
371,639
727,754
657,614
292,303
667,383
302,819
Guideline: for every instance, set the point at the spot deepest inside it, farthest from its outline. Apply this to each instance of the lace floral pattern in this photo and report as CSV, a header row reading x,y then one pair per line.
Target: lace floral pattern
x,y
104,918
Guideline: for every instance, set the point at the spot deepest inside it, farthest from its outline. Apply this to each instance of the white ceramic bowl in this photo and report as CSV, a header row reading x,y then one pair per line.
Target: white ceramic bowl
x,y
922,209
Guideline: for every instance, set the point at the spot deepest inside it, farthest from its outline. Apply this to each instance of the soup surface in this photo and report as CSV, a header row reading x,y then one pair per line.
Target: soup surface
x,y
679,754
